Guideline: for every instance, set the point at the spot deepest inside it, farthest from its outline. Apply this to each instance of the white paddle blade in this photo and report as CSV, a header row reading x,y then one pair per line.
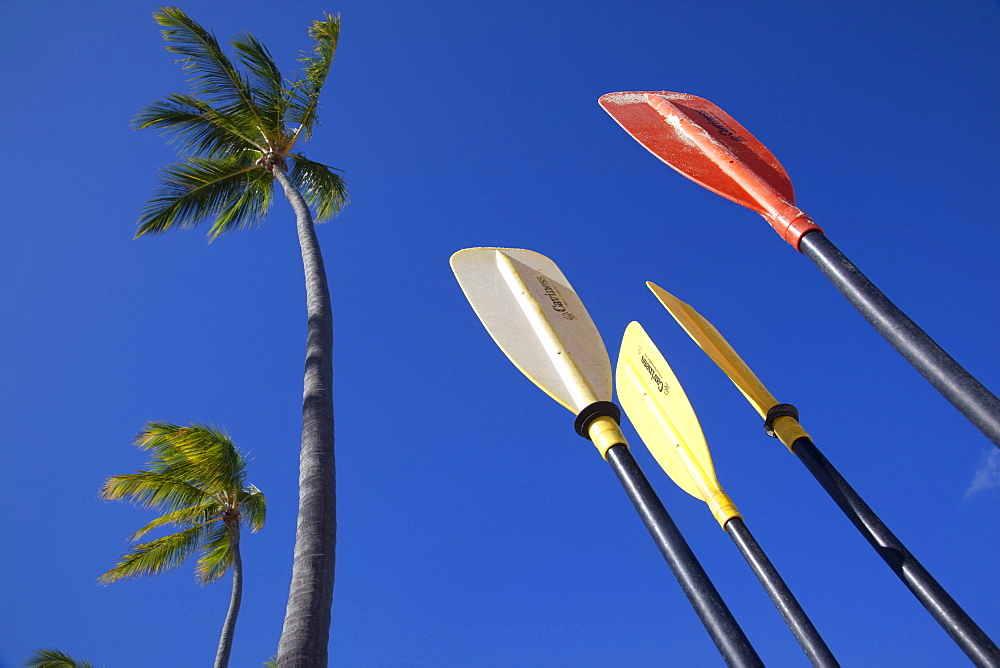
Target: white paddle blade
x,y
539,322
660,411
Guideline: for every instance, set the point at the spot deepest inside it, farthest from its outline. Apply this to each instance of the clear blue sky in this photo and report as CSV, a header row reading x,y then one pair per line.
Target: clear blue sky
x,y
476,528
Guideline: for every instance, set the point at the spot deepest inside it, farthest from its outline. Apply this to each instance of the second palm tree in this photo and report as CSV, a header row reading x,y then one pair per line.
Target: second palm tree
x,y
198,477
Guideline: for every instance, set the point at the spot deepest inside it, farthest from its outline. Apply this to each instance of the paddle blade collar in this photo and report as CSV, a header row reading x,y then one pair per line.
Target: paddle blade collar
x,y
536,318
660,411
708,146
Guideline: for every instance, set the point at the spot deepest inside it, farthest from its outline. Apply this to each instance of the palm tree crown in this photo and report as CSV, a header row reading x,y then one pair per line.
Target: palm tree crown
x,y
236,128
197,477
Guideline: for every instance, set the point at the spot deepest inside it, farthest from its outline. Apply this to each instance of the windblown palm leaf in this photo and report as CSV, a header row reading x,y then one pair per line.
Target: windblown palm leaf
x,y
271,99
214,76
235,132
156,556
321,188
193,516
54,658
196,128
152,489
305,99
234,190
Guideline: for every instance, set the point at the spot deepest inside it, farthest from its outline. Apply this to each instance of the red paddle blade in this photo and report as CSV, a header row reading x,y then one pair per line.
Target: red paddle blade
x,y
708,146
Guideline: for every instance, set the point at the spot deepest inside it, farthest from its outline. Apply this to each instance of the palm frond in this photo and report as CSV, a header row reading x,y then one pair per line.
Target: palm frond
x,y
184,518
305,98
209,449
158,438
253,507
320,185
170,441
53,658
156,556
201,455
234,191
149,489
197,128
266,83
215,78
216,554
250,208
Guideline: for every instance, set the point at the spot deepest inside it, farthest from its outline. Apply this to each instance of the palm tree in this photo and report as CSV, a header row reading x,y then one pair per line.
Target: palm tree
x,y
236,132
197,476
54,658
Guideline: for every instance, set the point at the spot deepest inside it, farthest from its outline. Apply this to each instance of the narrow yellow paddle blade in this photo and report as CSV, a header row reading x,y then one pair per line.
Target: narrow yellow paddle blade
x,y
708,338
660,411
534,315
716,347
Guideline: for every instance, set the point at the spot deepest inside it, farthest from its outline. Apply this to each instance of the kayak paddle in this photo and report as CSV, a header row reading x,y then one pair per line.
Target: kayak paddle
x,y
534,315
781,421
705,144
660,411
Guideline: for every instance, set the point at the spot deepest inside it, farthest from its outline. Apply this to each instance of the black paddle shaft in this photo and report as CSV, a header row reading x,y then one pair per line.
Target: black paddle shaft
x,y
958,386
712,610
965,632
802,628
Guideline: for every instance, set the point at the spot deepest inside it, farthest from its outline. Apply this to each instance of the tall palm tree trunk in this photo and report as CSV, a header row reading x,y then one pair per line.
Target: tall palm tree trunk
x,y
306,631
229,627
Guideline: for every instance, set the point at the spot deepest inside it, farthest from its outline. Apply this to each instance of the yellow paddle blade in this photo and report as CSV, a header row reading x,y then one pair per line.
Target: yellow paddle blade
x,y
537,319
716,347
660,411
